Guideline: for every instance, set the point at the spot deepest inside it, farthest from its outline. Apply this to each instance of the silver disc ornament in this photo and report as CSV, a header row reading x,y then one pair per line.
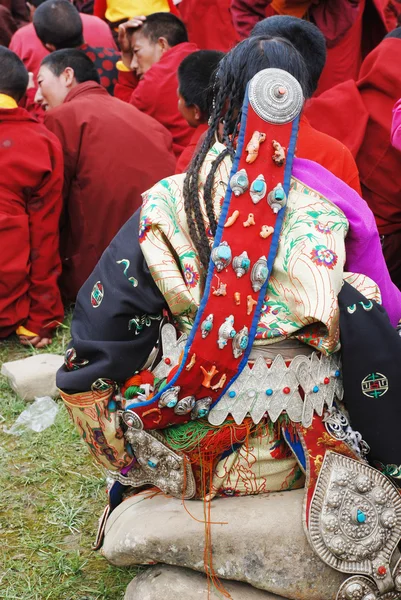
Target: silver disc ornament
x,y
275,96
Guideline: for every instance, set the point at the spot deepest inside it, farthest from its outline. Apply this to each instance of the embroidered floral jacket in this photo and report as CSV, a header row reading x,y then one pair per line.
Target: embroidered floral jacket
x,y
119,308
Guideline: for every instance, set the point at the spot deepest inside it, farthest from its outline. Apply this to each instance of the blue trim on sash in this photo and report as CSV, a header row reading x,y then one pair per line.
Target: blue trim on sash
x,y
297,448
217,240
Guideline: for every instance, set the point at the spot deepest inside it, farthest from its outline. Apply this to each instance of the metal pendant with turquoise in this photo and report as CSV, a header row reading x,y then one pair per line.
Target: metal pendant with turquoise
x,y
239,182
169,398
226,332
221,256
207,326
259,274
241,264
240,342
201,408
277,198
258,189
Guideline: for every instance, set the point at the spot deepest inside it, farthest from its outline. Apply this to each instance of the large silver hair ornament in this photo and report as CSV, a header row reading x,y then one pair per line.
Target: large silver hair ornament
x,y
275,96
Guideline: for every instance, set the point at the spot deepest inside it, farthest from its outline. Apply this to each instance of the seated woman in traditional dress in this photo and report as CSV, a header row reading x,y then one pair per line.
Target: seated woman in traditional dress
x,y
257,261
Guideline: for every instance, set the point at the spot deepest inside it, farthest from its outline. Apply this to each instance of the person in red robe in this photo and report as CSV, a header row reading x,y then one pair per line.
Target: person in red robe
x,y
312,144
195,97
209,24
26,44
13,14
58,25
31,178
359,114
152,49
112,153
351,29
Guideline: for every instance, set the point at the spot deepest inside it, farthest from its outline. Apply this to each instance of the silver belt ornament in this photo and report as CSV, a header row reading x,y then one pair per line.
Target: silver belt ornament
x,y
265,391
156,464
355,527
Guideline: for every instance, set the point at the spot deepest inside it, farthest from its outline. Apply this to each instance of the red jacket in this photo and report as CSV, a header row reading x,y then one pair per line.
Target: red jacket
x,y
359,114
195,142
112,153
26,44
31,178
156,93
351,30
209,24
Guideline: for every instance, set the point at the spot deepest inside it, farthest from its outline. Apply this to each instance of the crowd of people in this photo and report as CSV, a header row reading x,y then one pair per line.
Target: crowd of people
x,y
132,135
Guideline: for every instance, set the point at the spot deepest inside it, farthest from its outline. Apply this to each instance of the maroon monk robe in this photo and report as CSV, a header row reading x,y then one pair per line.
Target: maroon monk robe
x,y
156,93
352,30
112,153
209,24
367,104
31,177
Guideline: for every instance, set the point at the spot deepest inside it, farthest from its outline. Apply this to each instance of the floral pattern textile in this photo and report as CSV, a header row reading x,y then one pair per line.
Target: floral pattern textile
x,y
308,267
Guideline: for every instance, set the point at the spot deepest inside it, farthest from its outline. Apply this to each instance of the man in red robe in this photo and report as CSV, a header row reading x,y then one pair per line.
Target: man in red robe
x,y
26,44
312,144
352,28
209,24
152,50
112,153
31,178
58,25
359,114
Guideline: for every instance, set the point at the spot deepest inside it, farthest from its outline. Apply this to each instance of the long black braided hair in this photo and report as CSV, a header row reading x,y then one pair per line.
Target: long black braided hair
x,y
234,72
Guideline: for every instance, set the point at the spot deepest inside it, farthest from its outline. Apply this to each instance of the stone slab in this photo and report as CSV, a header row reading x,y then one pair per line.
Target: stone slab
x,y
174,583
34,376
258,540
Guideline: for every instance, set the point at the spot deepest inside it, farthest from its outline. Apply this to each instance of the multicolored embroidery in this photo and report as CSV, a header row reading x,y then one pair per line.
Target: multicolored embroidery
x,y
138,323
191,276
71,362
97,294
374,385
309,263
126,263
322,256
144,226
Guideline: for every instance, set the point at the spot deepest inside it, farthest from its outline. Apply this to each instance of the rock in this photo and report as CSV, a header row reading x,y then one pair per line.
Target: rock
x,y
174,583
256,539
34,376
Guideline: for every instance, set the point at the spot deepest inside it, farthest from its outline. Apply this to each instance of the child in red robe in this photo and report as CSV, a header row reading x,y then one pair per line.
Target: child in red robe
x,y
31,179
152,50
195,97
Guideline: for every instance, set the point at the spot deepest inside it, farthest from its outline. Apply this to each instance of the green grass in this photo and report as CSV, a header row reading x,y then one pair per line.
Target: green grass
x,y
51,495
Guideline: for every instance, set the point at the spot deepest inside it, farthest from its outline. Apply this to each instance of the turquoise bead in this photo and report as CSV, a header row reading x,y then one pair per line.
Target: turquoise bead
x,y
244,342
203,412
258,186
315,389
207,326
269,392
152,464
232,394
242,181
279,194
112,405
172,403
361,517
245,263
224,252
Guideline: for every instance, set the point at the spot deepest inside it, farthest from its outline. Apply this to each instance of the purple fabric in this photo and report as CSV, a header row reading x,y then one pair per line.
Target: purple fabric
x,y
364,253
